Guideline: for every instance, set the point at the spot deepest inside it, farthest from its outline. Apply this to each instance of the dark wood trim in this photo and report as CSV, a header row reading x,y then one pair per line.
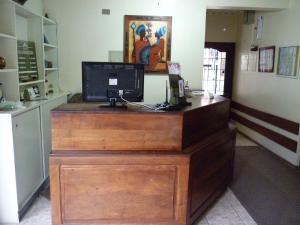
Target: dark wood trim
x,y
229,48
272,135
277,121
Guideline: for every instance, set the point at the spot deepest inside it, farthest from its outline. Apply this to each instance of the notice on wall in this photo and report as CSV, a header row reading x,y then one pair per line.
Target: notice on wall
x,y
244,62
249,61
260,26
252,63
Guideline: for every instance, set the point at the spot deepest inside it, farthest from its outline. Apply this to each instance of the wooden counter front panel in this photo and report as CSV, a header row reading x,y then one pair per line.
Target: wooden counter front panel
x,y
134,192
202,122
210,173
85,131
122,194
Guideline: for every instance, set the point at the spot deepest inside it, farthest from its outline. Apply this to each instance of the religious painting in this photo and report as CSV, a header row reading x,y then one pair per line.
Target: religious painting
x,y
147,40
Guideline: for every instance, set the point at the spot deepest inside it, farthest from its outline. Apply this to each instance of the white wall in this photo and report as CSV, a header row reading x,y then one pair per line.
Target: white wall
x,y
267,91
84,34
248,4
221,26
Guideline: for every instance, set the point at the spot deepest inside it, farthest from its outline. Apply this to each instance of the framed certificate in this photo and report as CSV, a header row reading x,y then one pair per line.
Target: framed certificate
x,y
288,61
266,59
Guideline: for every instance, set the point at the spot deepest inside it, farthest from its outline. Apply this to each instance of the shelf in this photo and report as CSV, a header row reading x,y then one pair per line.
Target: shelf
x,y
22,11
49,46
7,36
8,70
20,23
31,82
47,21
50,69
25,72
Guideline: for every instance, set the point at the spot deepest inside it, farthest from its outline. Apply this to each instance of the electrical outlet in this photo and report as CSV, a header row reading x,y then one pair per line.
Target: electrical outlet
x,y
105,11
120,92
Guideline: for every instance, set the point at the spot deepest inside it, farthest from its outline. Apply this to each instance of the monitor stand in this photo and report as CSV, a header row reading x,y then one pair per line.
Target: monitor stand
x,y
113,104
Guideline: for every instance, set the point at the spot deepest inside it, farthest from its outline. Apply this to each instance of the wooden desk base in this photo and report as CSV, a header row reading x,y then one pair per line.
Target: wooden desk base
x,y
140,189
133,167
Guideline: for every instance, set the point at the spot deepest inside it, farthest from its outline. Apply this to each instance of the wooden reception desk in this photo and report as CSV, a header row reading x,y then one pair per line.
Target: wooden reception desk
x,y
138,167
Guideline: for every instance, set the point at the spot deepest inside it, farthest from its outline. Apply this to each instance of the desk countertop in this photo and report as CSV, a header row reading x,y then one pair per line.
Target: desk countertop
x,y
197,102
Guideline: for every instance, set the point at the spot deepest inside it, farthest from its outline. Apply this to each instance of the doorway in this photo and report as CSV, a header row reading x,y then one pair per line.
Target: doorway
x,y
218,68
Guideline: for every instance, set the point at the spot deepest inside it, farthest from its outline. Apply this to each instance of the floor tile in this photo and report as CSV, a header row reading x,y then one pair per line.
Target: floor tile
x,y
241,140
226,211
240,210
222,213
39,213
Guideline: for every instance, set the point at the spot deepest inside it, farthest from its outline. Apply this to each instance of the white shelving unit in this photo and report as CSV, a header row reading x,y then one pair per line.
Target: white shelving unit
x,y
50,69
25,134
7,36
31,82
8,70
51,54
49,46
18,23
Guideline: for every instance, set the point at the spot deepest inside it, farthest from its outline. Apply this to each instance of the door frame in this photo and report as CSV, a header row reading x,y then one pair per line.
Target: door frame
x,y
229,48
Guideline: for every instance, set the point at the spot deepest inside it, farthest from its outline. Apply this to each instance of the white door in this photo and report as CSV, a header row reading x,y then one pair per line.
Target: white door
x,y
28,154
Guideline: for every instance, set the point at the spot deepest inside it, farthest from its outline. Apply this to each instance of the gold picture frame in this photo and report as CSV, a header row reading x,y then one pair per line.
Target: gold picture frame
x,y
147,40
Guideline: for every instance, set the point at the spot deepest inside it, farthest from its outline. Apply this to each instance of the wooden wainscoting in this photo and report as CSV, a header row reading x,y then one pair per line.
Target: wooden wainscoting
x,y
277,121
282,123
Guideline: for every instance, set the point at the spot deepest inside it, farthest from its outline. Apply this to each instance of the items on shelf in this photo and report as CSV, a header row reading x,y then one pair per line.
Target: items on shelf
x,y
31,93
2,62
1,93
48,64
50,89
46,39
28,70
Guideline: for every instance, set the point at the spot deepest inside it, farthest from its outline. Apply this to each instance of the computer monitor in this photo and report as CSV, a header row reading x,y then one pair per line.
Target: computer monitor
x,y
106,81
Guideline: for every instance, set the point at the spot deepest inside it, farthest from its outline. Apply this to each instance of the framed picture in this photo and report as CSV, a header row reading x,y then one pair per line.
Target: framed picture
x,y
266,59
288,61
147,40
174,68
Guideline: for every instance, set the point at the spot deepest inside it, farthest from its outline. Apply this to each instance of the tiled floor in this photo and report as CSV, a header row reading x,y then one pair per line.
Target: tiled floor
x,y
242,140
226,211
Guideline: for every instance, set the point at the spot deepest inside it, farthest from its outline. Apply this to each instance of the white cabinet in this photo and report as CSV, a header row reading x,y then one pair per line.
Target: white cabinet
x,y
25,134
25,144
21,170
46,129
28,154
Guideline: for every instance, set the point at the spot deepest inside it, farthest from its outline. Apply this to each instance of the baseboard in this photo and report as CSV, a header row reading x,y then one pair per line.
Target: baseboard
x,y
34,196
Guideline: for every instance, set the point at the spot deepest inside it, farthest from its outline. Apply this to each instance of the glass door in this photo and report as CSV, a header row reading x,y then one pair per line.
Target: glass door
x,y
218,68
214,71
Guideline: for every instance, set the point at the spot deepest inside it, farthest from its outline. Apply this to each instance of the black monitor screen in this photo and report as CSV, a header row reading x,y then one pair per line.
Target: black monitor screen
x,y
103,81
